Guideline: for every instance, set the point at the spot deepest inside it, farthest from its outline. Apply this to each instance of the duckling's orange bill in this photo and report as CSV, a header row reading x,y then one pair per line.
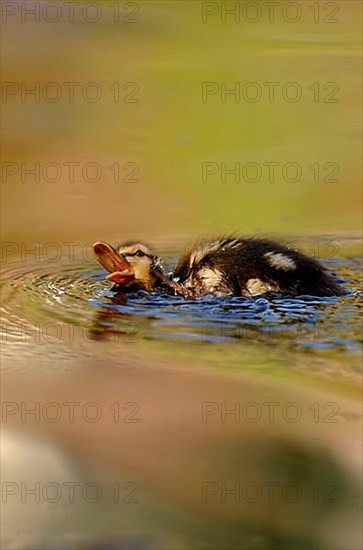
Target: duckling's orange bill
x,y
120,270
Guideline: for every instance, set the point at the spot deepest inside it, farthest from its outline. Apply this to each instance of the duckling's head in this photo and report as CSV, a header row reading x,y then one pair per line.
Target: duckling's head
x,y
143,262
134,265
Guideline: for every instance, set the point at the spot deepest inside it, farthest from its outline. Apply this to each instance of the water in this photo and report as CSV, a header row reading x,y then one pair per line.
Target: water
x,y
49,302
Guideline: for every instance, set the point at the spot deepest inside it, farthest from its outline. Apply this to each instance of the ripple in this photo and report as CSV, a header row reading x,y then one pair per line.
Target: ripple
x,y
38,299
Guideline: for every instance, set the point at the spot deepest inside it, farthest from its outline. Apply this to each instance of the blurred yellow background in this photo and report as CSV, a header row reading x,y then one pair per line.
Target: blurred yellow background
x,y
169,132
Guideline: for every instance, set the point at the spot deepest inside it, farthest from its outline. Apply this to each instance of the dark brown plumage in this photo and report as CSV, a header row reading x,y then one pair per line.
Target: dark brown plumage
x,y
250,266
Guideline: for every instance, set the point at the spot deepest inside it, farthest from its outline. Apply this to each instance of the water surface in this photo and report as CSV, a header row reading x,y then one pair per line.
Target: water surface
x,y
47,302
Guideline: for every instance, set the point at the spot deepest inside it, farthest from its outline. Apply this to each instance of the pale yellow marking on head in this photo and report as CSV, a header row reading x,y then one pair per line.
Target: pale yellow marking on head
x,y
202,250
132,248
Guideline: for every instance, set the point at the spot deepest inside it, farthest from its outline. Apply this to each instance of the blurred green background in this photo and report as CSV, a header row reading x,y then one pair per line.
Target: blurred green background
x,y
170,132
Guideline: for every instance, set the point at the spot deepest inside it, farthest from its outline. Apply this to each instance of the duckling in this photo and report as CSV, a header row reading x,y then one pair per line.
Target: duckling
x,y
224,266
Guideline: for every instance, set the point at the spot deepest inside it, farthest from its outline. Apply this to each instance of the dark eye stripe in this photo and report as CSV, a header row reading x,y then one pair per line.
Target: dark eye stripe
x,y
137,253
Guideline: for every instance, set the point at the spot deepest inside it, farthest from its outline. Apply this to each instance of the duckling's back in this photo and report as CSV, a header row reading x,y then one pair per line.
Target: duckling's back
x,y
231,266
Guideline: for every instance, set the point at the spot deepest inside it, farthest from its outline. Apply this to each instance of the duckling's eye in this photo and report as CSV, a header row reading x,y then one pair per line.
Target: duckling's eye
x,y
139,253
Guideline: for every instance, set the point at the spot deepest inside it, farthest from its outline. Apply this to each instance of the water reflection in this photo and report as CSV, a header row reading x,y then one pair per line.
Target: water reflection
x,y
305,321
